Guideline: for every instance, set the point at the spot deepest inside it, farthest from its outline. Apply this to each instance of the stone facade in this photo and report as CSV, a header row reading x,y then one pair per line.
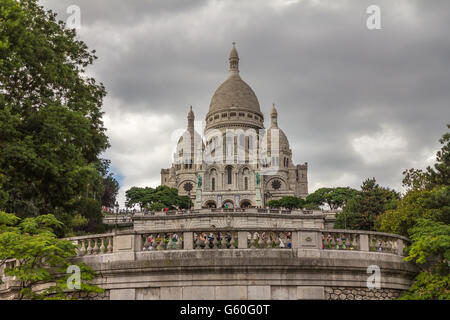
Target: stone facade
x,y
91,296
237,149
358,293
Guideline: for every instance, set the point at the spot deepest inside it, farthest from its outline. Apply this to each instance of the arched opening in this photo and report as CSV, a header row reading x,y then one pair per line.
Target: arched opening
x,y
246,204
228,204
211,204
245,183
213,184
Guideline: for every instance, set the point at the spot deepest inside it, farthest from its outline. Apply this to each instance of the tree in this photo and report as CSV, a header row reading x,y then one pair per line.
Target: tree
x,y
335,198
416,179
274,204
361,211
41,257
51,128
110,184
111,187
440,174
416,204
156,199
423,214
430,250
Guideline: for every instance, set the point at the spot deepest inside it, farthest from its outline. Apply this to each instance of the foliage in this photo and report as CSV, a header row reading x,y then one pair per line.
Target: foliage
x,y
430,249
362,210
335,198
440,174
41,257
424,214
157,198
90,210
415,179
110,184
431,239
428,286
417,203
51,128
289,202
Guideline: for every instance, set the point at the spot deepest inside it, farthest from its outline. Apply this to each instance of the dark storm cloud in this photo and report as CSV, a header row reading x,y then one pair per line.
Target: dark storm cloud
x,y
354,103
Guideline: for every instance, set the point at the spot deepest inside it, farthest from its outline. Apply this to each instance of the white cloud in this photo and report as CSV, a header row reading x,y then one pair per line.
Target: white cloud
x,y
384,146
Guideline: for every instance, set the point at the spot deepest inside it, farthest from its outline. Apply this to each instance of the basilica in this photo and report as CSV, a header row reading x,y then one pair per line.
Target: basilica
x,y
237,163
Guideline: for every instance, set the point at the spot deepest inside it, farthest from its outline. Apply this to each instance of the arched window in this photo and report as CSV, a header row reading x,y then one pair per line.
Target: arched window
x,y
213,184
230,174
246,183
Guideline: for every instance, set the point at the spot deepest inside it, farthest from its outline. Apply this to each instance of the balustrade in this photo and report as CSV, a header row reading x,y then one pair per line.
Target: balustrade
x,y
92,245
383,244
162,241
269,240
363,241
215,240
340,240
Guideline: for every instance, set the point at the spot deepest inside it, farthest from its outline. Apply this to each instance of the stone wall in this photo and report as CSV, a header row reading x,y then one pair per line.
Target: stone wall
x,y
91,296
358,293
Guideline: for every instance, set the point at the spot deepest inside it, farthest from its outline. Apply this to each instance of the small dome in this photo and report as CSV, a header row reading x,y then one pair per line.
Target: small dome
x,y
234,92
283,142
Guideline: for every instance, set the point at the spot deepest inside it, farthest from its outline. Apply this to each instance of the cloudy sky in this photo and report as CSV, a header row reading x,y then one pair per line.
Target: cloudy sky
x,y
354,103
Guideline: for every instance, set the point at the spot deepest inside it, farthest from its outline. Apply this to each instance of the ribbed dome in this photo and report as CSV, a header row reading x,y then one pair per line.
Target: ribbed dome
x,y
283,142
234,92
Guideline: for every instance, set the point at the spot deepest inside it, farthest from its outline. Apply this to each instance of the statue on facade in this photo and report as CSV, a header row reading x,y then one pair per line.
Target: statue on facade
x,y
258,179
199,181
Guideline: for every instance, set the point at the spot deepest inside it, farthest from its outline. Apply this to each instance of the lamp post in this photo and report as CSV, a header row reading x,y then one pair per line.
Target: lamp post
x,y
117,211
266,195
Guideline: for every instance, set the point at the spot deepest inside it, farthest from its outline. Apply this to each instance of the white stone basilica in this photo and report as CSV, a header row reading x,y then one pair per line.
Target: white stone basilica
x,y
238,163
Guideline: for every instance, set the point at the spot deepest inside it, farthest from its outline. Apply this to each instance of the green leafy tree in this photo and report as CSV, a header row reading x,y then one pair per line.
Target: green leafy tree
x,y
416,204
42,258
51,128
274,204
335,198
110,184
430,250
157,198
362,210
440,174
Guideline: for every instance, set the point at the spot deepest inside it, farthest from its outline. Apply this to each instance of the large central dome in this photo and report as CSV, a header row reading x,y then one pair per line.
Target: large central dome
x,y
234,102
234,93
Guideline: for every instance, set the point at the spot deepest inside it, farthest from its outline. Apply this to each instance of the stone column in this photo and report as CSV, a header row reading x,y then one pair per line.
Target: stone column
x,y
242,239
188,240
400,247
364,242
309,239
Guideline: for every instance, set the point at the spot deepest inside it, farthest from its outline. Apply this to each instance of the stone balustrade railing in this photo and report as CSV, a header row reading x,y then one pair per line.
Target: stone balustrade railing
x,y
236,238
363,241
94,244
123,218
214,239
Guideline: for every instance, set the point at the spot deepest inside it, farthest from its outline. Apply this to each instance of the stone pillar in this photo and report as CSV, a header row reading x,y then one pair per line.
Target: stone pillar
x,y
295,240
400,247
364,242
242,239
188,240
309,239
125,245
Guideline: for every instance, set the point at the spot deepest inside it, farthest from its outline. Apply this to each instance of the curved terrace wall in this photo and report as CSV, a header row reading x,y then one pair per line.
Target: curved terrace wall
x,y
232,255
